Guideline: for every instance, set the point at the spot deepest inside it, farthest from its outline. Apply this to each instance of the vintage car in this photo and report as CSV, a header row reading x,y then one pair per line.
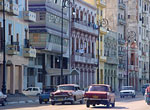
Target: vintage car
x,y
100,94
67,93
3,99
127,91
147,95
45,95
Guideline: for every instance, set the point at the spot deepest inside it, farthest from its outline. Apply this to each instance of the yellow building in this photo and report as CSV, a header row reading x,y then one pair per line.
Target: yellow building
x,y
100,4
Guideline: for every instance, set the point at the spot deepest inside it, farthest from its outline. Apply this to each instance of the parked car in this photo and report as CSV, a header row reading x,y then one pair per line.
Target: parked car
x,y
147,95
35,91
45,95
127,91
100,94
67,93
144,87
3,99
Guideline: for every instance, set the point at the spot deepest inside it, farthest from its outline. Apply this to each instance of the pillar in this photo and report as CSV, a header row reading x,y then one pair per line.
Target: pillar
x,y
21,77
12,79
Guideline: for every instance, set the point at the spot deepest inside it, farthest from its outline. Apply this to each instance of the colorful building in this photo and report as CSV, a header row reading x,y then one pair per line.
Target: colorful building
x,y
18,50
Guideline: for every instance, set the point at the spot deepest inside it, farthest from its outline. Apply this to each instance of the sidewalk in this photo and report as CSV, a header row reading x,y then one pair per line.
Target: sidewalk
x,y
21,99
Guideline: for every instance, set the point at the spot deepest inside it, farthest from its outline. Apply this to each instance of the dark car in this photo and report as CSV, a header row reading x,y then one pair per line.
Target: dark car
x,y
44,97
3,99
144,87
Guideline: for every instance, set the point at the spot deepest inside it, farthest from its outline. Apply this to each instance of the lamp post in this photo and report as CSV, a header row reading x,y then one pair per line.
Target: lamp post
x,y
130,38
4,57
101,23
65,4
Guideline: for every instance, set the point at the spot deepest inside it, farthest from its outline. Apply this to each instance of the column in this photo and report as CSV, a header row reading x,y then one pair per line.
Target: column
x,y
1,75
75,43
12,79
21,77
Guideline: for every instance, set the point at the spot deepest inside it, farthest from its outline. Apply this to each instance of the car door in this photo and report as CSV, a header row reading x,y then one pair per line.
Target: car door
x,y
76,93
35,91
80,93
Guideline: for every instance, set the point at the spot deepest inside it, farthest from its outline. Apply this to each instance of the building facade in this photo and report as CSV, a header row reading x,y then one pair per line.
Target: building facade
x,y
18,50
83,40
115,13
111,65
45,36
138,21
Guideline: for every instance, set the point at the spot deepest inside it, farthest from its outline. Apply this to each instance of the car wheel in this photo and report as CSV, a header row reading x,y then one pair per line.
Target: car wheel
x,y
113,104
62,103
87,104
53,103
81,101
93,105
108,104
133,96
3,103
73,101
46,102
40,101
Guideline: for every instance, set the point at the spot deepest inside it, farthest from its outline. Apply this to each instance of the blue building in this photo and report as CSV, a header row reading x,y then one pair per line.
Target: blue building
x,y
45,36
18,49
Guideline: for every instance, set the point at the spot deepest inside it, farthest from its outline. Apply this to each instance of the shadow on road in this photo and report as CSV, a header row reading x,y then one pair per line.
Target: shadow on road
x,y
113,108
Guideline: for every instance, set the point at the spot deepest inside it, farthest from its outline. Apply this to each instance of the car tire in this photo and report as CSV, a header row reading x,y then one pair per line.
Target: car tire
x,y
46,102
62,103
4,103
87,104
73,101
81,101
40,101
93,105
108,104
113,104
53,103
133,96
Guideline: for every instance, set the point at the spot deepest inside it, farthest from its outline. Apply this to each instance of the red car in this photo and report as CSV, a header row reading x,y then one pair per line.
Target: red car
x,y
100,94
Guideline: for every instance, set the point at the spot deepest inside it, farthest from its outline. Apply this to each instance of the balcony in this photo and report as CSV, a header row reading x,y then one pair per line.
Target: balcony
x,y
131,67
112,60
84,59
121,21
121,41
101,3
53,47
7,6
122,6
12,49
29,52
14,9
29,16
103,58
84,26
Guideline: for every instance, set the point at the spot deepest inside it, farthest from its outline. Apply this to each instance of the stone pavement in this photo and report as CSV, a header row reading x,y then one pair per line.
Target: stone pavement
x,y
21,99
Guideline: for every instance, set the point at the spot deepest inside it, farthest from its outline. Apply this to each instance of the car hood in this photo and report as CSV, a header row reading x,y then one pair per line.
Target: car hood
x,y
127,91
62,92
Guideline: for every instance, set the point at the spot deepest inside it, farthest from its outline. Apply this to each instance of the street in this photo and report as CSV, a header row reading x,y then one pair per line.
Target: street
x,y
127,103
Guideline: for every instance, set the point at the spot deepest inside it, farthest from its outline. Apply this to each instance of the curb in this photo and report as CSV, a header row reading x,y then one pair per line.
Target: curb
x,y
22,102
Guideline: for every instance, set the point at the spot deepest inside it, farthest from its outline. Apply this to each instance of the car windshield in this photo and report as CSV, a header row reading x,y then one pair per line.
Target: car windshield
x,y
127,88
66,88
98,88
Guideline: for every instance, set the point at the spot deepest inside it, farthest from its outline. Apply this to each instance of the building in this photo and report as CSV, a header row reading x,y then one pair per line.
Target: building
x,y
45,36
115,13
138,21
83,40
18,50
111,65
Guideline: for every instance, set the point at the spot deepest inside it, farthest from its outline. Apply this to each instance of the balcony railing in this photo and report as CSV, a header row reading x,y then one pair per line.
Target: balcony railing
x,y
121,41
122,6
29,52
112,60
13,49
7,6
29,16
53,47
14,9
121,21
84,26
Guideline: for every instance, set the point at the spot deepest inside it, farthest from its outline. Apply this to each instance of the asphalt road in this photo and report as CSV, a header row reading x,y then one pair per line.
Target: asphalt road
x,y
127,103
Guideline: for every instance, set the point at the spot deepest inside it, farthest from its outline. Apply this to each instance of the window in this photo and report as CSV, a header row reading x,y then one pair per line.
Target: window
x,y
57,62
42,15
17,37
10,27
128,16
51,61
35,89
72,46
55,1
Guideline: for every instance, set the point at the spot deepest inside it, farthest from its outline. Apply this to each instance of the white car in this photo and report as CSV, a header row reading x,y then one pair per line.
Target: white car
x,y
127,91
3,99
35,91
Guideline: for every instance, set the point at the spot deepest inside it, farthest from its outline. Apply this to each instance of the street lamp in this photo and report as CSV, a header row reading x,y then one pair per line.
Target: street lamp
x,y
4,57
101,23
65,4
131,38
